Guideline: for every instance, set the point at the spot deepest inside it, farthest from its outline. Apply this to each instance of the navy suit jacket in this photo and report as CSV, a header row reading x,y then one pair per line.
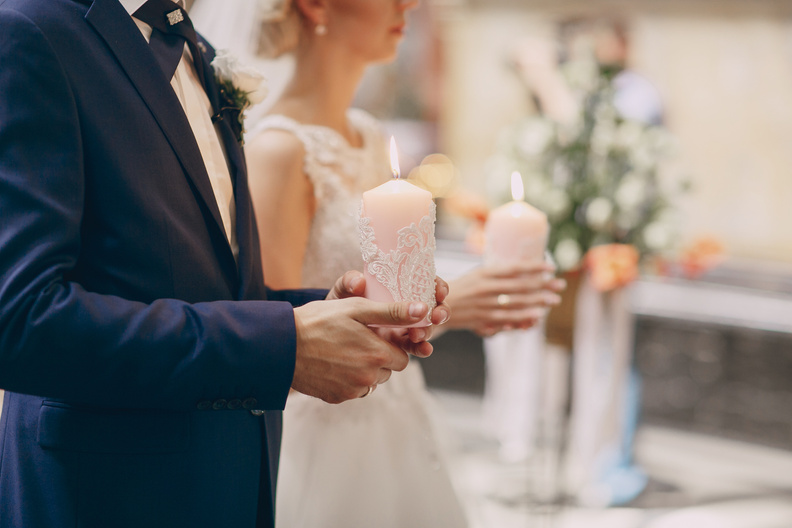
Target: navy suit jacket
x,y
133,347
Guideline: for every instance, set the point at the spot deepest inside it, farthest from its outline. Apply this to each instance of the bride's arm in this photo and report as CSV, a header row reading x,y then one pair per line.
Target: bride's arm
x,y
284,204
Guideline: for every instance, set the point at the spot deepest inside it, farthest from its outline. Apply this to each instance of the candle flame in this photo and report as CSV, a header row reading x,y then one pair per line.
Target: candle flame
x,y
394,158
517,189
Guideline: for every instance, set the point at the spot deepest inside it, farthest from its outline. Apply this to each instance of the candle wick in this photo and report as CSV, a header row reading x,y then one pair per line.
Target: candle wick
x,y
394,159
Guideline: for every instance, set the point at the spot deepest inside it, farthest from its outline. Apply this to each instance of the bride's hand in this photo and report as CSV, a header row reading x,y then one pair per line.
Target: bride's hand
x,y
412,340
511,296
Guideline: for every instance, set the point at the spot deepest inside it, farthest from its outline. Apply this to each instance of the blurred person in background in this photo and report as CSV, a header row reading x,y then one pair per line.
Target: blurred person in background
x,y
376,461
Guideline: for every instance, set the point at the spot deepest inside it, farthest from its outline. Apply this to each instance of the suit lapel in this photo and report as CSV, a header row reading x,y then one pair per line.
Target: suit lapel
x,y
249,259
115,26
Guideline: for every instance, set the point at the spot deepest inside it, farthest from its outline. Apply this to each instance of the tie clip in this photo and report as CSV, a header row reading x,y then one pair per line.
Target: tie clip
x,y
174,17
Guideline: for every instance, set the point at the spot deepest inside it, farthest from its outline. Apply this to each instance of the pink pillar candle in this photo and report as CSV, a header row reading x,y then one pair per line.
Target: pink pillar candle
x,y
515,230
397,242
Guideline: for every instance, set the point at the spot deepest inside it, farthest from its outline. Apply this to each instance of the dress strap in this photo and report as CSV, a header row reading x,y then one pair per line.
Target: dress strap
x,y
318,159
275,122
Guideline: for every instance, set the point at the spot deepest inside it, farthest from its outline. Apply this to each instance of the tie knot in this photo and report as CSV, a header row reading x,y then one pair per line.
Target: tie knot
x,y
171,27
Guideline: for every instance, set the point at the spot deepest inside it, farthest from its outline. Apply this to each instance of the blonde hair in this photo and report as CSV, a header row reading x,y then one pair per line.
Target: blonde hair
x,y
281,23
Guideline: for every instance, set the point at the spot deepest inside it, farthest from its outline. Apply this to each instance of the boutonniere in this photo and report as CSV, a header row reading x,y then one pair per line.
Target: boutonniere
x,y
240,88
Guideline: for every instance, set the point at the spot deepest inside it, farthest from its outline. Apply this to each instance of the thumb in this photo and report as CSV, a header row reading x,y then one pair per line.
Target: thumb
x,y
397,313
351,284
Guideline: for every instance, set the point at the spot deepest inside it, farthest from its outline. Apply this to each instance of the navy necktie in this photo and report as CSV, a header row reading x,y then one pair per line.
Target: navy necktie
x,y
171,28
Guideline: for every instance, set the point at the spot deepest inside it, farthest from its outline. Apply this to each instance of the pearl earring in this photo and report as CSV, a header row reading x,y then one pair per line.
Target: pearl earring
x,y
320,29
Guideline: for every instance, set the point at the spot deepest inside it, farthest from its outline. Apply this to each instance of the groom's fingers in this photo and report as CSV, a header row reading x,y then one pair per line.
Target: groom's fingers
x,y
391,314
384,375
423,349
405,339
441,290
441,314
351,284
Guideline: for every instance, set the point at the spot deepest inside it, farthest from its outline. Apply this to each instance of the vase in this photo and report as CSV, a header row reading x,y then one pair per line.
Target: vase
x,y
560,322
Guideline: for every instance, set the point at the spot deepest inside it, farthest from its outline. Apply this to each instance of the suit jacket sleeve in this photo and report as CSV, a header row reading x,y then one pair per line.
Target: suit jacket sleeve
x,y
297,297
59,340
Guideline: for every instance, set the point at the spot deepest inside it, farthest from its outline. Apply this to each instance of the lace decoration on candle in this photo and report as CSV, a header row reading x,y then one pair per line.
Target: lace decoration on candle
x,y
408,272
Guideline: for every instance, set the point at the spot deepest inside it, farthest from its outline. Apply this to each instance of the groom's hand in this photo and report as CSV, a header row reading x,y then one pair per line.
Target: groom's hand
x,y
414,340
338,356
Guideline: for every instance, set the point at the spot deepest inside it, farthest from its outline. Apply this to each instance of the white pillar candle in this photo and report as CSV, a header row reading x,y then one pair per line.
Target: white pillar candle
x,y
515,230
397,241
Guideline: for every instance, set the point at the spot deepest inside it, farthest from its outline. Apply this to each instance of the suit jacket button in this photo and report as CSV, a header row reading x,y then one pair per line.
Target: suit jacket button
x,y
256,412
204,405
219,404
250,403
234,404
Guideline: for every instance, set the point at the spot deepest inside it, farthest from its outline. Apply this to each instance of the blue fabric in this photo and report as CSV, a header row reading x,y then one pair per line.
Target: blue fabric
x,y
132,345
621,479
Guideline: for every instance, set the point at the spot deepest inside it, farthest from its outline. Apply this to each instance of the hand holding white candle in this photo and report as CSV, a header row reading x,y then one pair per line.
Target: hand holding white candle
x,y
515,230
397,241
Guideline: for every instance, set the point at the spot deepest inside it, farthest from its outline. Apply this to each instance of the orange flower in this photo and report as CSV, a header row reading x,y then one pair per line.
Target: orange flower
x,y
467,205
612,266
703,254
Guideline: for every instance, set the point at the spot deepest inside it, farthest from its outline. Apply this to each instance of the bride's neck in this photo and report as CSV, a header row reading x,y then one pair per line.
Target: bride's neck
x,y
322,89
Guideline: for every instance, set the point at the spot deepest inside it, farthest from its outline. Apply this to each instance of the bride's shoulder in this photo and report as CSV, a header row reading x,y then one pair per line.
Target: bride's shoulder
x,y
275,146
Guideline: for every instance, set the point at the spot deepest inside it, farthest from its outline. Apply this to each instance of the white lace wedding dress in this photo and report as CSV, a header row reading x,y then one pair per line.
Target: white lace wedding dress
x,y
373,462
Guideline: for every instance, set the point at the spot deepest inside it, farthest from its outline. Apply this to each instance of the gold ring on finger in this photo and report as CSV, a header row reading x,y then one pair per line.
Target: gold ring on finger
x,y
369,391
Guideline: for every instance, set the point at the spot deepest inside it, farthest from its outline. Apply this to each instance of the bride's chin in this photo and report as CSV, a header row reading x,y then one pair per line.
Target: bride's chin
x,y
385,58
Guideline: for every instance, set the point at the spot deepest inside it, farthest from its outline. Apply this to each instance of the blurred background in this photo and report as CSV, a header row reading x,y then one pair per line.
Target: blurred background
x,y
696,425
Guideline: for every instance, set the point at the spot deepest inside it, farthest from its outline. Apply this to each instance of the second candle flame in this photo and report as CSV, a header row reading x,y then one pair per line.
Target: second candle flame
x,y
517,189
394,158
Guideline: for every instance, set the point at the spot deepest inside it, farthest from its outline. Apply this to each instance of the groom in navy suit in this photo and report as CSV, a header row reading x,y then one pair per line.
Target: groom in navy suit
x,y
144,361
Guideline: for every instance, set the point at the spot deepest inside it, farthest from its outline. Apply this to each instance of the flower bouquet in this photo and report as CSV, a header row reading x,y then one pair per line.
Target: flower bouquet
x,y
596,177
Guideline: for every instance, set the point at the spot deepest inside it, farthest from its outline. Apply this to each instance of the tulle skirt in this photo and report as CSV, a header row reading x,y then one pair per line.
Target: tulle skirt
x,y
373,462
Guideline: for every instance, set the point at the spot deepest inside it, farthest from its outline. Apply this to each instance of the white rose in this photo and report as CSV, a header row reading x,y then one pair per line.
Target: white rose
x,y
567,254
247,79
631,192
598,212
224,64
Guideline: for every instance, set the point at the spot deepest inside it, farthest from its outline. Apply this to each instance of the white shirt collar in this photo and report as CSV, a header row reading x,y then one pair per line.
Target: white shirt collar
x,y
133,5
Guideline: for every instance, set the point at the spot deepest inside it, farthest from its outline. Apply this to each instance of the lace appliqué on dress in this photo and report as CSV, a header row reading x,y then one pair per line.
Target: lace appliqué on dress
x,y
408,272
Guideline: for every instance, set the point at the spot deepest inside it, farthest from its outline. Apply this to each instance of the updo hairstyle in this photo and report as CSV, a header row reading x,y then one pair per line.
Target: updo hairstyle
x,y
281,23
